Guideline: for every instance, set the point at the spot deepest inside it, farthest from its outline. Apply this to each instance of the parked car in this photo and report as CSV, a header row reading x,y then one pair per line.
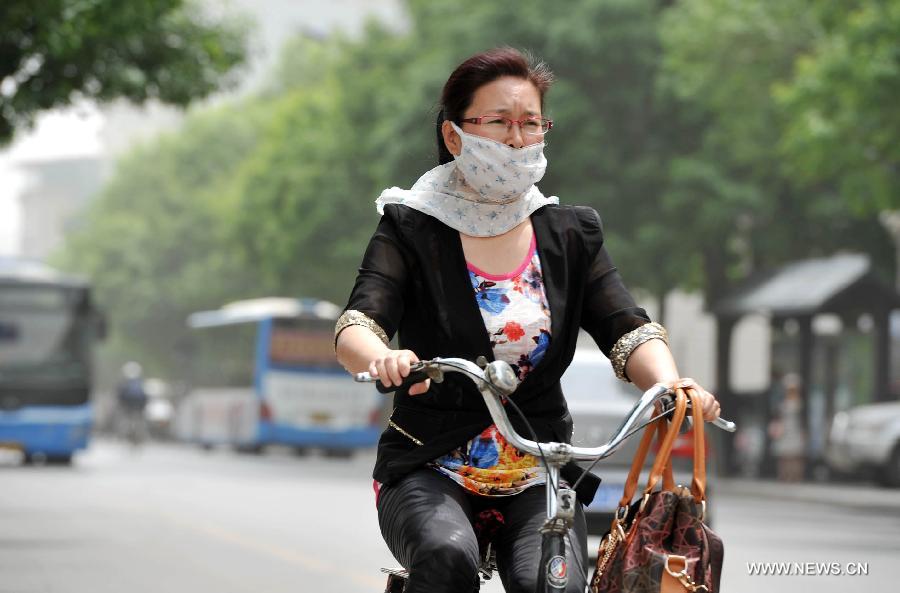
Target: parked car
x,y
866,439
598,402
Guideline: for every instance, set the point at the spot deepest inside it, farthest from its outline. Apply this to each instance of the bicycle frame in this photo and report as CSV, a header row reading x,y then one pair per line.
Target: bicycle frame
x,y
495,381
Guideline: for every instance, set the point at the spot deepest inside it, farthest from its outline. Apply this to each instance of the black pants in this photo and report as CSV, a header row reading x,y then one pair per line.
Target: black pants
x,y
426,520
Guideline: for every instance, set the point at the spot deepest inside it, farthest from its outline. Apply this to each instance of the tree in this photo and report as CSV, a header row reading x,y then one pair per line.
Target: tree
x,y
733,200
155,243
53,52
305,196
844,126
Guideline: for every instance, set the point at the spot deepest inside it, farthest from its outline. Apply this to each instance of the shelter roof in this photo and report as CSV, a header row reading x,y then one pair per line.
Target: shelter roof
x,y
254,310
805,287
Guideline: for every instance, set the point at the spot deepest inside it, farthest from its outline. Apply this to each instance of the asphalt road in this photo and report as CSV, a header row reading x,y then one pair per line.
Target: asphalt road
x,y
175,519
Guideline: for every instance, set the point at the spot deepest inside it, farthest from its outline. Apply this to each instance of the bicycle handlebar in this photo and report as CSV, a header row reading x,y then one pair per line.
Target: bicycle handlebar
x,y
496,380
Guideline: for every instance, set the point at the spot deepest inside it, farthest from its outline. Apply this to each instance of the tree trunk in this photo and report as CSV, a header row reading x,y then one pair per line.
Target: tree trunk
x,y
661,307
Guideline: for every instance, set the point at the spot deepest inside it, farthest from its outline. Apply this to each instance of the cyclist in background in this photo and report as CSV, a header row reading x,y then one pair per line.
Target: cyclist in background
x,y
474,261
132,400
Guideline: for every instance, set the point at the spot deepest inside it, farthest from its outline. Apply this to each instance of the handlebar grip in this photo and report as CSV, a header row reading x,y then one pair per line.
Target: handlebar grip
x,y
408,381
726,425
668,407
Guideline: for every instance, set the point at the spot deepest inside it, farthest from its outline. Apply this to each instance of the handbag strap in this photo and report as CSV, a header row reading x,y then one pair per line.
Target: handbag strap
x,y
667,475
637,464
663,457
698,486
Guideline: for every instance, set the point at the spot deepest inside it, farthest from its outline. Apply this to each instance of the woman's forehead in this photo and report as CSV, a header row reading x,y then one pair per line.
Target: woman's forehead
x,y
507,95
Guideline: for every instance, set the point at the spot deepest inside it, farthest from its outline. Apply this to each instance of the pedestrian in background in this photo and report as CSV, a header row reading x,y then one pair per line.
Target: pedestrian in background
x,y
786,431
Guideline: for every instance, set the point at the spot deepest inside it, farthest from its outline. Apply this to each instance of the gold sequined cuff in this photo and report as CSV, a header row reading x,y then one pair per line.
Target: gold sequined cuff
x,y
627,343
354,317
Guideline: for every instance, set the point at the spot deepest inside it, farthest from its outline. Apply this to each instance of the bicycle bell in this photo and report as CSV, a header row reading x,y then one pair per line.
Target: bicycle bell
x,y
501,375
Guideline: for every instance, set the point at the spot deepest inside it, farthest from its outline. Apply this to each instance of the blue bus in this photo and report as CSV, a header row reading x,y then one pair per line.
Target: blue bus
x,y
264,373
48,328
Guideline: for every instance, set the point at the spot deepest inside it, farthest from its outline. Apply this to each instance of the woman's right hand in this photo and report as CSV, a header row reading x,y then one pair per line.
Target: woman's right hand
x,y
394,366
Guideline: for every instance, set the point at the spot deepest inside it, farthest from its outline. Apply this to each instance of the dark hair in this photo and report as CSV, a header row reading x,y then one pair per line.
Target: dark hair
x,y
478,71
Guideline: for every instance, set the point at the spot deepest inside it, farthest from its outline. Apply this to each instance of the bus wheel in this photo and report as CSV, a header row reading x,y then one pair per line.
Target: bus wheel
x,y
34,458
338,453
301,451
249,449
39,458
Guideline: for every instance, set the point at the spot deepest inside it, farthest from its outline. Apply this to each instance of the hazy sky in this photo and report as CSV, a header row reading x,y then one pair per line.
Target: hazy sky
x,y
70,132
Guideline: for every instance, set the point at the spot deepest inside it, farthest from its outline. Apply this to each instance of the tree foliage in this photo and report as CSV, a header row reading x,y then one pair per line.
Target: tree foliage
x,y
739,200
55,51
156,241
841,106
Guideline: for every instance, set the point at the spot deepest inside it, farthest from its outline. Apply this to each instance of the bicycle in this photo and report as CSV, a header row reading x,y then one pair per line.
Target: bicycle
x,y
496,381
132,426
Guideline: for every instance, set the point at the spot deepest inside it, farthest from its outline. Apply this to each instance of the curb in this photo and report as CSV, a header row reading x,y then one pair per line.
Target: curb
x,y
868,498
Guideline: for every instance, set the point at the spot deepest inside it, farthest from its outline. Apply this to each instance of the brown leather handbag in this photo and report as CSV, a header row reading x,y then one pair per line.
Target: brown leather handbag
x,y
660,543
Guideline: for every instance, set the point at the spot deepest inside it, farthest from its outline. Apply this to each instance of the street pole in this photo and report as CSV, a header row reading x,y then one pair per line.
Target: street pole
x,y
890,220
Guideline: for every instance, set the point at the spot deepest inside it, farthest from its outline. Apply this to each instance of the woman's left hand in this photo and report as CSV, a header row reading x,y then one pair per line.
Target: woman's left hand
x,y
710,404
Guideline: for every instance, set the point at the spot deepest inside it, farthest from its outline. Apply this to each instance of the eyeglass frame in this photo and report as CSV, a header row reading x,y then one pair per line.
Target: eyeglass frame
x,y
510,122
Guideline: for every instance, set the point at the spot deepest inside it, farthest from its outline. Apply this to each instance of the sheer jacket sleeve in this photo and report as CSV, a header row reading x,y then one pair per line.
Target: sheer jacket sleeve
x,y
376,300
609,311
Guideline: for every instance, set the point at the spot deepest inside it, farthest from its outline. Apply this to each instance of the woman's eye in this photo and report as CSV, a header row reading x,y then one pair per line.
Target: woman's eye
x,y
531,123
495,121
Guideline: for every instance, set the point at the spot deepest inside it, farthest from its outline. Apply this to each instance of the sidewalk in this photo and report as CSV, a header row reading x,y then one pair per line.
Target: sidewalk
x,y
860,496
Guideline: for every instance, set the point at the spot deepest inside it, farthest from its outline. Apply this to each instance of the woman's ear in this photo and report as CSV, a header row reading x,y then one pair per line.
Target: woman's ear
x,y
451,138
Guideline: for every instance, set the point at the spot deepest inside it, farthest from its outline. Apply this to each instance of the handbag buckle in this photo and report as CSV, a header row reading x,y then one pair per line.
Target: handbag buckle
x,y
683,577
644,502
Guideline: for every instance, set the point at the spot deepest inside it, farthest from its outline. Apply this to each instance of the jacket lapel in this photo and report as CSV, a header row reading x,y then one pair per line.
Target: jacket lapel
x,y
455,305
555,273
471,333
554,268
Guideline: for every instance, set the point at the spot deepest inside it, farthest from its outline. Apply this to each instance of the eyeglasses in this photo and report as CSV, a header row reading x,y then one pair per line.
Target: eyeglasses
x,y
498,124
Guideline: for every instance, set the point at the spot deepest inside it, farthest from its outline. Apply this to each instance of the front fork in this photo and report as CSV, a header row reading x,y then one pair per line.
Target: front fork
x,y
554,570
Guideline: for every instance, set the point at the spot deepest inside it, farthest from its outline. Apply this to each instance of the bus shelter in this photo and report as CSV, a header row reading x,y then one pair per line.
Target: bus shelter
x,y
819,302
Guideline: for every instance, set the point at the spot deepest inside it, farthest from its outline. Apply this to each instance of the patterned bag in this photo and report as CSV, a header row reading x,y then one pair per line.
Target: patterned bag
x,y
660,543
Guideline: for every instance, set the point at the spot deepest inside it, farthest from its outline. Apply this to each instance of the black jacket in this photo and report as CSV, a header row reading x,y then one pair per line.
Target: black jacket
x,y
413,281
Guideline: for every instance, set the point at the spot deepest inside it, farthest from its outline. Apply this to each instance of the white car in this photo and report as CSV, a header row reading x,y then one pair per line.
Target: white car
x,y
598,402
867,438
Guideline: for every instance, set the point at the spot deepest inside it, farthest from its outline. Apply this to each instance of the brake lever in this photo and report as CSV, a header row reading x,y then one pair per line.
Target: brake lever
x,y
435,373
668,408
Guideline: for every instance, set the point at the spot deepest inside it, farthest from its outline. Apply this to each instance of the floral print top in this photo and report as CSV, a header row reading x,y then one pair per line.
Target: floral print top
x,y
517,317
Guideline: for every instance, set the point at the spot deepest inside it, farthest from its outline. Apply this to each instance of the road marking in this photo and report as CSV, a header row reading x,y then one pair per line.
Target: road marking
x,y
289,555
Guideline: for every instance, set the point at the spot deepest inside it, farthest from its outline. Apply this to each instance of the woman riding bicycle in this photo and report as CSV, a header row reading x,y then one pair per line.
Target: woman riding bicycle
x,y
474,261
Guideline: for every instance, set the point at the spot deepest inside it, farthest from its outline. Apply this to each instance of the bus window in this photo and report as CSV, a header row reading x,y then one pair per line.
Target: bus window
x,y
302,343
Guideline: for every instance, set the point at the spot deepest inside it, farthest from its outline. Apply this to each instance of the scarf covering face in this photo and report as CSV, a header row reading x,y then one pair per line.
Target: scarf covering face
x,y
486,191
